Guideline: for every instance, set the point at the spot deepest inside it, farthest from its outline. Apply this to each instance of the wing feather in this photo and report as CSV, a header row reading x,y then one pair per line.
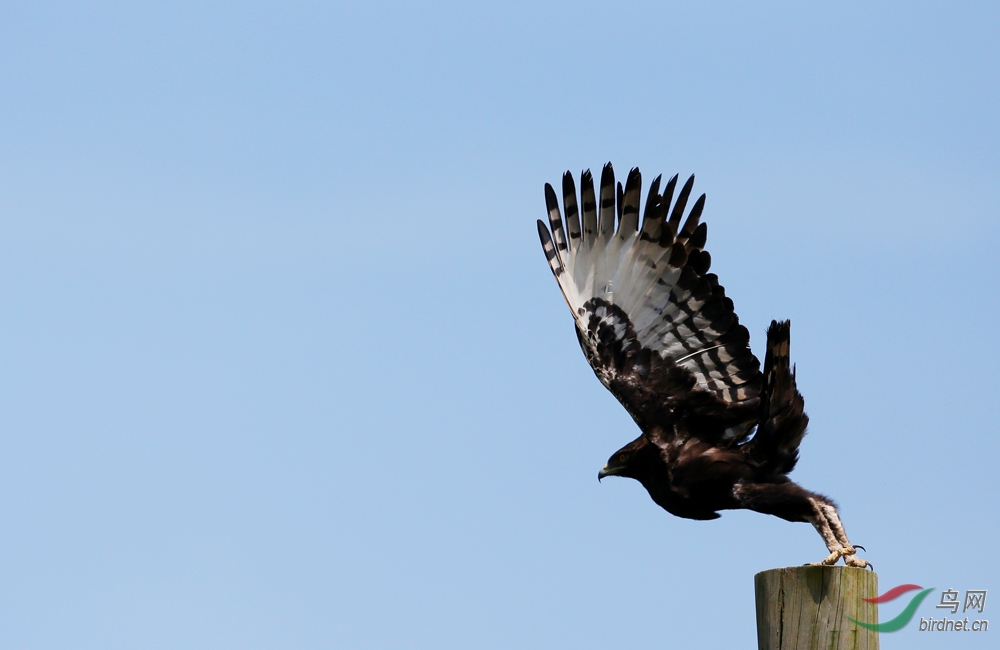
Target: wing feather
x,y
691,224
682,198
652,216
589,201
572,211
630,205
555,218
655,325
607,200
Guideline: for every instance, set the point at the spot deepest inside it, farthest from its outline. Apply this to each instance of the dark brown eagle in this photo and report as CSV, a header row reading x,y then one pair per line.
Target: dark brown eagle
x,y
662,336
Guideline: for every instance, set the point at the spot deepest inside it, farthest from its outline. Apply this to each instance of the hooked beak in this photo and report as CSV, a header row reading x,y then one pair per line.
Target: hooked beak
x,y
604,472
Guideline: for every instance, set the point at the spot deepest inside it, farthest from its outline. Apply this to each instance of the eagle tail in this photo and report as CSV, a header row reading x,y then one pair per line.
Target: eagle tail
x,y
783,420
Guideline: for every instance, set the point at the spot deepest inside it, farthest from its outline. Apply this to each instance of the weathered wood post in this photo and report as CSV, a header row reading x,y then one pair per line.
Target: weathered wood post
x,y
807,608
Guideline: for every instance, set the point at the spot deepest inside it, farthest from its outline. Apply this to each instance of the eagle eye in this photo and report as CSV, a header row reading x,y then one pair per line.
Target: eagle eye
x,y
621,458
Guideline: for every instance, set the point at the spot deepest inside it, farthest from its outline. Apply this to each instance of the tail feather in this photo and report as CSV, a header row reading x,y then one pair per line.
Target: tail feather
x,y
783,419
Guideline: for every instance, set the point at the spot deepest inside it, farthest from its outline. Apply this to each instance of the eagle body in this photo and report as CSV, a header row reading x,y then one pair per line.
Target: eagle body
x,y
718,431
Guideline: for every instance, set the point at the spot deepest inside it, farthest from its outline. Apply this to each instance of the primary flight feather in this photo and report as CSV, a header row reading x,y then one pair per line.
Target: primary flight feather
x,y
660,333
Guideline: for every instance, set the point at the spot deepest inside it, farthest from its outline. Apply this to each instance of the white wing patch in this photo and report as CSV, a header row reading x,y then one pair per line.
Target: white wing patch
x,y
657,278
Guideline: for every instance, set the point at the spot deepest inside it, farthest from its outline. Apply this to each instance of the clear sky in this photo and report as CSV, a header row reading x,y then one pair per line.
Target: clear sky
x,y
282,363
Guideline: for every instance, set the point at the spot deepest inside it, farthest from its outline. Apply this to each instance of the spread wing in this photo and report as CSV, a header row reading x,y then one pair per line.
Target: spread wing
x,y
655,325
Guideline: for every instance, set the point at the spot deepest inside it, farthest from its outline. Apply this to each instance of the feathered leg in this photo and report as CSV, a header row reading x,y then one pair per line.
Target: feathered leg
x,y
792,502
833,520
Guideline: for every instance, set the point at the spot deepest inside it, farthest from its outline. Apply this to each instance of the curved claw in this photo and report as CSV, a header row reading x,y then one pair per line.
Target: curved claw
x,y
860,546
870,566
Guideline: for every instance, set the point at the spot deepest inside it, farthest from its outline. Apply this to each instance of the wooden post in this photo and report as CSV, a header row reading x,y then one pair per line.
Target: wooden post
x,y
806,608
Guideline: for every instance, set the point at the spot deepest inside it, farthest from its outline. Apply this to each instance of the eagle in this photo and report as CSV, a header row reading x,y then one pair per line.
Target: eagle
x,y
717,431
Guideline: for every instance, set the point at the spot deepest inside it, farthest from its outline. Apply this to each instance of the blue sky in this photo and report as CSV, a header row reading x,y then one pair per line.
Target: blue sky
x,y
282,363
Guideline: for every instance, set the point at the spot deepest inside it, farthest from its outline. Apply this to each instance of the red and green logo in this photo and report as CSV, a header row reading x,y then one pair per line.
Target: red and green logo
x,y
904,616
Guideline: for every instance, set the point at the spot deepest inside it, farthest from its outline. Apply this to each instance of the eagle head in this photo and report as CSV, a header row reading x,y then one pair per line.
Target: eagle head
x,y
631,460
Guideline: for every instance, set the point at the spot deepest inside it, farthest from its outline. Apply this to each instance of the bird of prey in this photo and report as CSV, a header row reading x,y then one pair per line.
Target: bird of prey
x,y
661,334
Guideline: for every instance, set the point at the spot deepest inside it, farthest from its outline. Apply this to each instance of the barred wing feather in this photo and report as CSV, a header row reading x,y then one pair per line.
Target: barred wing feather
x,y
655,325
